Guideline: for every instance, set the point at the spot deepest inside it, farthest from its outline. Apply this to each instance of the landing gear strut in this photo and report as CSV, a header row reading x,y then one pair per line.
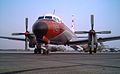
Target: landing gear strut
x,y
94,49
90,50
39,50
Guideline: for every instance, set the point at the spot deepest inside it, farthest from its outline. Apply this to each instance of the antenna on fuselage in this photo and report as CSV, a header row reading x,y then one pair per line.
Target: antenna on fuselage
x,y
73,23
54,12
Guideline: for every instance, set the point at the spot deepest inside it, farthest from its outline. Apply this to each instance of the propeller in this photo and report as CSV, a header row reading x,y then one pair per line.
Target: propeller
x,y
92,34
26,34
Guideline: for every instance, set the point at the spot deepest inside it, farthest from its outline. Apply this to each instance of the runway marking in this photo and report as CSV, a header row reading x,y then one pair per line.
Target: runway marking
x,y
20,71
45,68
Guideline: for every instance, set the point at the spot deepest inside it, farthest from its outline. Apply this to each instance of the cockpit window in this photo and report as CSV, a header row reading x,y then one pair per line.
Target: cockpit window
x,y
56,19
41,17
48,17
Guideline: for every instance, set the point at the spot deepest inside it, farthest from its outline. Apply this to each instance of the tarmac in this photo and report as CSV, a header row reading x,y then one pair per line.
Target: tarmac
x,y
59,63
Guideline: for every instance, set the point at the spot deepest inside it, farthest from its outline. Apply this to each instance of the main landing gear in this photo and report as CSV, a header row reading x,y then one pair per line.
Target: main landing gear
x,y
94,50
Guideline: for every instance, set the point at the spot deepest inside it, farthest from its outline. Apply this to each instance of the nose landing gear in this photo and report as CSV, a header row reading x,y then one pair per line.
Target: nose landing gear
x,y
41,50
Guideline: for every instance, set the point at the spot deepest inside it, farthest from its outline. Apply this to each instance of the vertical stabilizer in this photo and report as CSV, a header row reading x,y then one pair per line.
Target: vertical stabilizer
x,y
73,23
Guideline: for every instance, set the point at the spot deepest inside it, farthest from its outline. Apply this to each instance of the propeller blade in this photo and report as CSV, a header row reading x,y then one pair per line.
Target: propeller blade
x,y
18,33
92,22
26,23
26,34
81,32
104,32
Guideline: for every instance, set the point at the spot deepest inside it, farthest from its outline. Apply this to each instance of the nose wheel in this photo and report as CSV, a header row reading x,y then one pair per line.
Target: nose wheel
x,y
40,50
37,51
45,52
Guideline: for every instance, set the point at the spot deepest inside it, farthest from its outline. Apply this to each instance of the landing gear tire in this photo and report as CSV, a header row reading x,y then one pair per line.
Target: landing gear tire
x,y
94,50
37,51
90,51
45,52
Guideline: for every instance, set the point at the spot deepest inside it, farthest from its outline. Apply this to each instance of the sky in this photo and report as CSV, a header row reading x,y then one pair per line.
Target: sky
x,y
13,13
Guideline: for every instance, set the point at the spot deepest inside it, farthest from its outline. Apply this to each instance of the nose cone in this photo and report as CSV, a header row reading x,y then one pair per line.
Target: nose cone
x,y
40,29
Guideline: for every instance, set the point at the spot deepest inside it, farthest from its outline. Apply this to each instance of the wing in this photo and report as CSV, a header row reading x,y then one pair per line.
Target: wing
x,y
85,41
108,39
12,38
78,42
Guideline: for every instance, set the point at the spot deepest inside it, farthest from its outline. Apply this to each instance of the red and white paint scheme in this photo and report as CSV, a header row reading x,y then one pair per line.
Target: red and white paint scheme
x,y
50,29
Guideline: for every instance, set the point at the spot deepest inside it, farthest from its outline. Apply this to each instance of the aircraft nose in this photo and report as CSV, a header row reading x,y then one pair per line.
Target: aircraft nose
x,y
40,29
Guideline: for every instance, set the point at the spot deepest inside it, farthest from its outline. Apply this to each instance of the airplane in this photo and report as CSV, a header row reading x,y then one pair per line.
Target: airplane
x,y
50,29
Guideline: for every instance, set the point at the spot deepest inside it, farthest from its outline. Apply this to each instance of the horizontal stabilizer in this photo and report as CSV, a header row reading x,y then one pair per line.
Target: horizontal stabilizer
x,y
18,33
